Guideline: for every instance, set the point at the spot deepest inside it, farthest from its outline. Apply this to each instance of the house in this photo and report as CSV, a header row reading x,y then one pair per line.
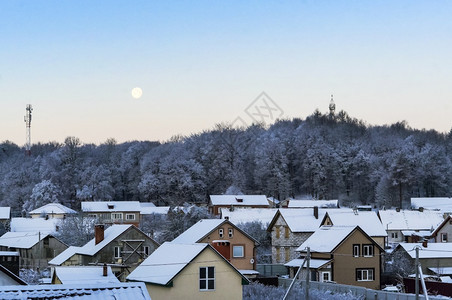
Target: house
x,y
443,233
237,247
119,291
293,203
289,228
52,211
431,255
113,212
344,254
122,247
401,225
5,214
83,274
35,249
443,204
189,271
9,278
233,201
245,215
10,260
366,220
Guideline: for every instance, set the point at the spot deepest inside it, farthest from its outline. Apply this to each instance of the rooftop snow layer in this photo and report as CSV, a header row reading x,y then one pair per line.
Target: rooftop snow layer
x,y
367,220
166,262
312,203
313,263
110,234
410,219
326,238
5,213
52,208
433,250
433,203
37,224
244,215
22,240
148,210
242,200
84,274
302,219
65,255
198,231
111,206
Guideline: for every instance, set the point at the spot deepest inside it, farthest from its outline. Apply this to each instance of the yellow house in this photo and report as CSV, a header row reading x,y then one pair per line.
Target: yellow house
x,y
189,271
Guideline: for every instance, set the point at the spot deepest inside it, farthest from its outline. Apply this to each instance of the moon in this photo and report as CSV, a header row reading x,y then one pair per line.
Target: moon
x,y
137,92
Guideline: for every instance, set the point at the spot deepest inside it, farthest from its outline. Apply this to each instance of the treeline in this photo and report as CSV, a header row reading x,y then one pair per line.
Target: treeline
x,y
323,157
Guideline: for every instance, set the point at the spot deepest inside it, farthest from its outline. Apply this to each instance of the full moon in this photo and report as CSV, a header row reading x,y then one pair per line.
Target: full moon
x,y
137,92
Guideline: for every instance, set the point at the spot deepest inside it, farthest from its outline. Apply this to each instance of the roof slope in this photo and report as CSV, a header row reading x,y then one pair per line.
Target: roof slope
x,y
198,231
84,274
65,255
111,206
326,238
53,208
37,224
244,215
410,219
5,212
300,219
22,240
119,291
242,200
433,203
433,250
293,203
110,234
367,220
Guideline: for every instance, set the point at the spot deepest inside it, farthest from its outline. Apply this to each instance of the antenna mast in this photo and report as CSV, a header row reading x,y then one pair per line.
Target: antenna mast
x,y
27,120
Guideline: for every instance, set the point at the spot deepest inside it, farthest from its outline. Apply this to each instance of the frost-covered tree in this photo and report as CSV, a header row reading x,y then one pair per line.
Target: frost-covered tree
x,y
76,230
43,193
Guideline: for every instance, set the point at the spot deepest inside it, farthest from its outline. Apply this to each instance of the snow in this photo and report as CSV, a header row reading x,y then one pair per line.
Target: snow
x,y
37,224
367,220
248,200
52,208
433,250
116,206
148,210
311,203
443,204
441,270
9,253
313,263
84,274
198,231
244,215
423,233
166,262
64,256
249,272
410,219
326,238
21,240
5,213
129,290
110,234
302,219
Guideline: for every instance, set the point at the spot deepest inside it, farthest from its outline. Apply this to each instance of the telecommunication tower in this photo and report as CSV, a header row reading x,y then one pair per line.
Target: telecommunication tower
x,y
27,120
332,107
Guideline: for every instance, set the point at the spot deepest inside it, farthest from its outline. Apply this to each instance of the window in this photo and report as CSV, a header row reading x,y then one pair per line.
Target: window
x,y
278,254
364,274
207,278
277,232
220,232
443,237
146,250
130,217
356,250
117,252
368,250
287,253
325,276
238,251
94,216
286,232
394,235
116,216
231,232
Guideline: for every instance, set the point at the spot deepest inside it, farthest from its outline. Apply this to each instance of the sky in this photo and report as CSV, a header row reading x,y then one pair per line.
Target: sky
x,y
200,63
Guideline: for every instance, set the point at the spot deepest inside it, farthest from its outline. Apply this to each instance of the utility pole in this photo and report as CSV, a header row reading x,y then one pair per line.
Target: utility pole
x,y
416,283
308,258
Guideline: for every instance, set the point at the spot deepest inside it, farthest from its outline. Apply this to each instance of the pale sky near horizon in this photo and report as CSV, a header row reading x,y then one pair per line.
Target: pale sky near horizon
x,y
200,63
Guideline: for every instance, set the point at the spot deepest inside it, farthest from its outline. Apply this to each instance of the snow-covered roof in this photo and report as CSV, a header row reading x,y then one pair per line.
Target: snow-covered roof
x,y
441,270
5,213
166,262
22,240
198,231
37,224
433,250
326,238
410,219
434,203
65,255
367,220
111,206
301,219
84,274
148,210
313,263
52,208
293,203
128,290
423,233
9,253
240,200
147,204
110,234
244,215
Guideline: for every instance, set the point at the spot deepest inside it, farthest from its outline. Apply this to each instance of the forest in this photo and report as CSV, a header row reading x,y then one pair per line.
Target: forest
x,y
325,156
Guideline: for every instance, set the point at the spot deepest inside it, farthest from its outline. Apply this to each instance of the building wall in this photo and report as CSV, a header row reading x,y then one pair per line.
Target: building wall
x,y
286,244
345,264
106,217
395,236
228,284
40,254
216,209
447,229
50,216
248,262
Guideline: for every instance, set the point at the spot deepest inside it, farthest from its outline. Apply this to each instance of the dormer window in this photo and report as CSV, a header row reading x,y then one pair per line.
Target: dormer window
x,y
110,206
239,199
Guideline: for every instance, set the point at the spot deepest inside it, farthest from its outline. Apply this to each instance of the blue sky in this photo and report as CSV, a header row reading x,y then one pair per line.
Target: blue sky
x,y
200,63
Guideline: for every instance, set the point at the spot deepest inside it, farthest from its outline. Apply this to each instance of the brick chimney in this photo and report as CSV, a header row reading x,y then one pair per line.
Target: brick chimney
x,y
105,270
98,233
316,212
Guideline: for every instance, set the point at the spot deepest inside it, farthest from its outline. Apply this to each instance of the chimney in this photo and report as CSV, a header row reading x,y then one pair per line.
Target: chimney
x,y
98,233
421,209
397,209
316,212
105,270
425,243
